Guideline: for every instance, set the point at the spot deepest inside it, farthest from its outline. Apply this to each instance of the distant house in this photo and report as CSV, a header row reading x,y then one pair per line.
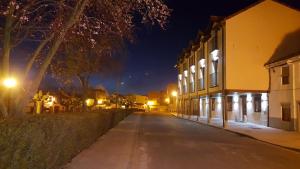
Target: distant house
x,y
221,75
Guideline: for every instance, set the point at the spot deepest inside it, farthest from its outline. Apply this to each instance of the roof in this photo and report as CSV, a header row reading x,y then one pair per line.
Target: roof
x,y
282,58
288,47
219,19
282,2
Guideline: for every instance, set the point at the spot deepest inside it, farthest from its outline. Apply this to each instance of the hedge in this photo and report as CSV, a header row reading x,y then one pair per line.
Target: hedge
x,y
50,141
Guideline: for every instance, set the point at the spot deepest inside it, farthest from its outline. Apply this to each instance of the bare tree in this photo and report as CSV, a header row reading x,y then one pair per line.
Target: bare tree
x,y
79,61
52,22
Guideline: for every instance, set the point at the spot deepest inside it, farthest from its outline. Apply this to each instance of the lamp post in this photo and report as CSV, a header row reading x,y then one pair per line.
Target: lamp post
x,y
9,83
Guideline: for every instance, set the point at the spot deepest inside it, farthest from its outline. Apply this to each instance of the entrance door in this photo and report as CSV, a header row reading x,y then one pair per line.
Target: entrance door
x,y
243,108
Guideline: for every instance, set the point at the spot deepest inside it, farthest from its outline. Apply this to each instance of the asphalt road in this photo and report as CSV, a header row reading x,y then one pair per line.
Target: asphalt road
x,y
161,141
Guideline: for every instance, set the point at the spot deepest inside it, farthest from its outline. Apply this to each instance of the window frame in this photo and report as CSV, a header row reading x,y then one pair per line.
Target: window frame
x,y
285,75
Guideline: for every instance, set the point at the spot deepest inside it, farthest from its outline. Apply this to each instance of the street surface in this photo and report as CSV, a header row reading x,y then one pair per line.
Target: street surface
x,y
161,141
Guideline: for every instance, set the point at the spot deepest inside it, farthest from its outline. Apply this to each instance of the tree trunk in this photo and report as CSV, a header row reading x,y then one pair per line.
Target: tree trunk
x,y
80,6
5,60
6,45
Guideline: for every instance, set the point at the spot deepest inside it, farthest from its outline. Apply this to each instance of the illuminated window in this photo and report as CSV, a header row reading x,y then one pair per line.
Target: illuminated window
x,y
285,75
286,112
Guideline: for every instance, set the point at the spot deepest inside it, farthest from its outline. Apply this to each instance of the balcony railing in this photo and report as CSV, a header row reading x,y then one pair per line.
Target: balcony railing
x,y
213,79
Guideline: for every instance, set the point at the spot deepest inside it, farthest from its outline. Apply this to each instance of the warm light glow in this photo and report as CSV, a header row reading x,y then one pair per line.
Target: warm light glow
x,y
89,102
219,100
167,100
10,83
264,97
236,98
50,101
202,63
150,103
185,73
193,69
100,101
180,76
215,55
174,93
249,97
264,106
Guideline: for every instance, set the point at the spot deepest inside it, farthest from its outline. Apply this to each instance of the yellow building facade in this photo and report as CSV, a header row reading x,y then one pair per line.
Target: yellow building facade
x,y
222,77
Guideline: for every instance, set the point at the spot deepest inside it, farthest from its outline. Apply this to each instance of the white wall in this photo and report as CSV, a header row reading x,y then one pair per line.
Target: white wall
x,y
285,93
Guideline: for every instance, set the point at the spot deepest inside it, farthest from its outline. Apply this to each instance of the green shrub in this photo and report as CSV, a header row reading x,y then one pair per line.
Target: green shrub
x,y
49,141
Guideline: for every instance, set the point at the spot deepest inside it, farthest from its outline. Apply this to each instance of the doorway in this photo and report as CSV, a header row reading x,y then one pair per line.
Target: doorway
x,y
243,109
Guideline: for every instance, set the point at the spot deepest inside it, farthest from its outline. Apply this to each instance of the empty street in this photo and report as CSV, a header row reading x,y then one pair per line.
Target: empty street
x,y
162,141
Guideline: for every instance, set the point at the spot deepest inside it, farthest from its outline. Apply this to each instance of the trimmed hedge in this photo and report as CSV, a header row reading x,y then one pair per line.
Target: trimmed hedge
x,y
50,141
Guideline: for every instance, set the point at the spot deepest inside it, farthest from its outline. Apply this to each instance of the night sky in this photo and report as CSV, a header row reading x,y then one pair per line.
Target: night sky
x,y
151,59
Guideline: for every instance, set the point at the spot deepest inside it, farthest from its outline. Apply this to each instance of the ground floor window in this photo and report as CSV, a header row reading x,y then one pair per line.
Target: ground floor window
x,y
286,112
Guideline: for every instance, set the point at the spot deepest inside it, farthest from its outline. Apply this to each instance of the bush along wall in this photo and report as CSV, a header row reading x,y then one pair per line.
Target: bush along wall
x,y
50,141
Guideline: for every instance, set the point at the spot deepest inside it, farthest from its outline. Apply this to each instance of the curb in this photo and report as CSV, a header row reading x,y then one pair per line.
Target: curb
x,y
238,133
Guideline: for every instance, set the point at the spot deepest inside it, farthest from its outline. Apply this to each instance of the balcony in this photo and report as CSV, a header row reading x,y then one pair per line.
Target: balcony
x,y
213,79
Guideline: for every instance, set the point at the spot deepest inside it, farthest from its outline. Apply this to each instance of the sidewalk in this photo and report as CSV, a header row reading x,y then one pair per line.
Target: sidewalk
x,y
287,139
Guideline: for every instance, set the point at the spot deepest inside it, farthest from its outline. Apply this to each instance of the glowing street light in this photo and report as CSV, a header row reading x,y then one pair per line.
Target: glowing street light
x,y
167,100
174,93
10,83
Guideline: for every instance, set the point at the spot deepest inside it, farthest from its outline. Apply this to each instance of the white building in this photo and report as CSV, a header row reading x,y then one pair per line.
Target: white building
x,y
285,92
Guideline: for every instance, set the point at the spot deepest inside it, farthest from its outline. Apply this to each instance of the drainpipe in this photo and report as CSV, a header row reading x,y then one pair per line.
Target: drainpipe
x,y
268,96
224,96
207,80
294,98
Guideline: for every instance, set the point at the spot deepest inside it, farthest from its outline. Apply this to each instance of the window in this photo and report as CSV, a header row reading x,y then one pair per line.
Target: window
x,y
214,41
214,74
285,75
213,104
286,112
257,103
192,60
229,103
201,78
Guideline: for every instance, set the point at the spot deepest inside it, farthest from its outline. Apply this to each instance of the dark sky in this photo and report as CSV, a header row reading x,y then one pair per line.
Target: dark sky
x,y
151,59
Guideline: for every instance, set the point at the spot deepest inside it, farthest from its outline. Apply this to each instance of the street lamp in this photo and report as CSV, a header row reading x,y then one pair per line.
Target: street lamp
x,y
9,83
174,93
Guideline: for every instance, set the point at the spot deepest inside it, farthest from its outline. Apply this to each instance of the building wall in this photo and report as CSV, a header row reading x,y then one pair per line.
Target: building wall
x,y
252,37
289,93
